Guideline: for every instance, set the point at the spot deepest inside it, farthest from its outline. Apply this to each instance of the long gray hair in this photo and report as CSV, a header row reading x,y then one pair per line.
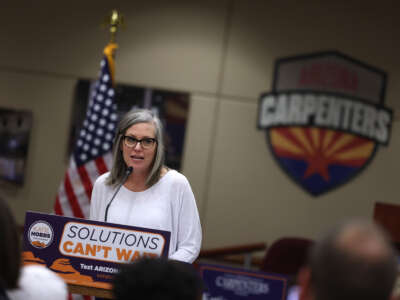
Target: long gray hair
x,y
119,167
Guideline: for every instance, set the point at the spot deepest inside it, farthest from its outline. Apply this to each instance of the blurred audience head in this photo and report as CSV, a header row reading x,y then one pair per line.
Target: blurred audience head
x,y
353,261
156,278
10,254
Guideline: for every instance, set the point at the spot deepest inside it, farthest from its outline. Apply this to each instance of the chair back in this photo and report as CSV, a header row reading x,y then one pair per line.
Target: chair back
x,y
287,255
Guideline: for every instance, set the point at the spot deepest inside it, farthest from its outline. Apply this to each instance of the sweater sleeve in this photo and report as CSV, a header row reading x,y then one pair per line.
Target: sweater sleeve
x,y
189,228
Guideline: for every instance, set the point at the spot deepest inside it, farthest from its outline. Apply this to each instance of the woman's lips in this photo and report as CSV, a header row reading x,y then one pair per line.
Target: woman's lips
x,y
137,158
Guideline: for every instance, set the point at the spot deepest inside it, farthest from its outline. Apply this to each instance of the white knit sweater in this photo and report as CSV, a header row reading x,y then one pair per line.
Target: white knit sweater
x,y
168,205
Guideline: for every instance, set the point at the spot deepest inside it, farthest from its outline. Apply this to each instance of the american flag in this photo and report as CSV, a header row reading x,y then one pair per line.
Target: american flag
x,y
92,152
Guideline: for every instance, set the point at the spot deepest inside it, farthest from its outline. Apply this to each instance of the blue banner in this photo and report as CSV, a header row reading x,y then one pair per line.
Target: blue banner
x,y
225,283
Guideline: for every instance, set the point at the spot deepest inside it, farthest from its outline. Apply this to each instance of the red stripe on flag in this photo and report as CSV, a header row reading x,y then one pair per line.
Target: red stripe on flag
x,y
101,165
57,207
85,180
73,201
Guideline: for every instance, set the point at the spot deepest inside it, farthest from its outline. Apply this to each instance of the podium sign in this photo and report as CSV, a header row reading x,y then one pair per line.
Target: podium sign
x,y
84,252
224,283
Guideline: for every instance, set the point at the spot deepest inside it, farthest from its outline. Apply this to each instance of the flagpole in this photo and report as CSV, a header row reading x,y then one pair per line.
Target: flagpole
x,y
113,21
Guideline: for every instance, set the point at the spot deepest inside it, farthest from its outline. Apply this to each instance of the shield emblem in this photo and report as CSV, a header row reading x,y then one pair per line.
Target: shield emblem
x,y
325,118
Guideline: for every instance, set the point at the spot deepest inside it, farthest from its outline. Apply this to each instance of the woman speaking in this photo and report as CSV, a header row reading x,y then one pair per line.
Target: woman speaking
x,y
141,191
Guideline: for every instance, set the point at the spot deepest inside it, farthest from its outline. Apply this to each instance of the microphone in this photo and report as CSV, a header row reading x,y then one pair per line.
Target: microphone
x,y
127,173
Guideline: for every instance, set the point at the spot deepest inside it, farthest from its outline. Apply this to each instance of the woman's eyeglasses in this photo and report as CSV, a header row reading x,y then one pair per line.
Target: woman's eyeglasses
x,y
131,142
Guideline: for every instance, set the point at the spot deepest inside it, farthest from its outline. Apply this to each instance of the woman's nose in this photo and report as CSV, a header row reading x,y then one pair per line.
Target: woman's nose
x,y
138,146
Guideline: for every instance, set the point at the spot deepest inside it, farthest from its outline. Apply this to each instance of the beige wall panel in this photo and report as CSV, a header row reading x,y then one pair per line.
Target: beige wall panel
x,y
251,199
199,136
170,44
50,101
263,31
174,45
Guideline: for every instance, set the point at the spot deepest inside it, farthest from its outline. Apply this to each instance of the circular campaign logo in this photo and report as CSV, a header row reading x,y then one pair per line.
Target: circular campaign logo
x,y
40,234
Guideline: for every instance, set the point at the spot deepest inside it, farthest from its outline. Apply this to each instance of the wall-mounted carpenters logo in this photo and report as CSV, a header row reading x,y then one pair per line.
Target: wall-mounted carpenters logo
x,y
40,234
325,118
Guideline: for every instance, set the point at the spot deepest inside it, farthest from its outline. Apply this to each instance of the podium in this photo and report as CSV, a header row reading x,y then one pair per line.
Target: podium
x,y
87,254
90,291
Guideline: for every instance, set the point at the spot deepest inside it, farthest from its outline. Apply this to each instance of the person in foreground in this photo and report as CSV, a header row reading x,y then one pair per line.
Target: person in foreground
x,y
354,261
151,196
21,283
157,278
10,254
38,283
